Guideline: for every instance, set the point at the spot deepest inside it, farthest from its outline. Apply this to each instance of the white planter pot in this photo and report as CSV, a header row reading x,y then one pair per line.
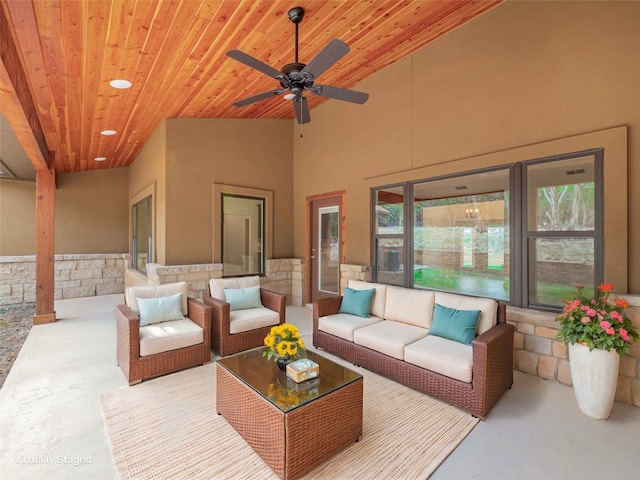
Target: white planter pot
x,y
595,377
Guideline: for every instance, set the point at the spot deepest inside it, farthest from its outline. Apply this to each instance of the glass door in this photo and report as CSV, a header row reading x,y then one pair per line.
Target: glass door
x,y
326,247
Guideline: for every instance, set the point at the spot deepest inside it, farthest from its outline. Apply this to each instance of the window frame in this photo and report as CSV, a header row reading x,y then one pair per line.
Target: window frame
x,y
519,236
134,232
406,217
597,234
508,168
261,228
216,223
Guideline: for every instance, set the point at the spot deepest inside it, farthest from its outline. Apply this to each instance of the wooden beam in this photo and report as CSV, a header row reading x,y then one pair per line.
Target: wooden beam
x,y
45,234
17,103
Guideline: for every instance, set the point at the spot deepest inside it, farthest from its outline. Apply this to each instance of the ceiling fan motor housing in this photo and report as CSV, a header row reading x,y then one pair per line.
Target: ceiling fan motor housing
x,y
294,79
292,70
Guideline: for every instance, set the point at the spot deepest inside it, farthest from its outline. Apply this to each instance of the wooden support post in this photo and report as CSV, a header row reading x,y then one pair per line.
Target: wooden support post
x,y
45,233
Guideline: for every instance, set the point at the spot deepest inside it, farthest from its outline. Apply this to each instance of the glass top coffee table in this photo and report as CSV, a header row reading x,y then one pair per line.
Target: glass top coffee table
x,y
294,427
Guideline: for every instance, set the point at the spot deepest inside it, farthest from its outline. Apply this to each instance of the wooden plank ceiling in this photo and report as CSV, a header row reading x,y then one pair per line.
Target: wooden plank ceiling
x,y
174,54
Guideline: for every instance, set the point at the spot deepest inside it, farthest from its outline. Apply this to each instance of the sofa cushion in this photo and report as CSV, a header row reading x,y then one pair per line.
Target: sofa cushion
x,y
132,294
241,298
388,337
342,324
160,309
446,357
357,302
408,305
487,306
252,318
217,285
162,337
457,325
379,298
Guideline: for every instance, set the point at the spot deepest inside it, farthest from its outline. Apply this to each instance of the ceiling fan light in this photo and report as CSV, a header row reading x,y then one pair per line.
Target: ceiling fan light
x,y
120,83
289,96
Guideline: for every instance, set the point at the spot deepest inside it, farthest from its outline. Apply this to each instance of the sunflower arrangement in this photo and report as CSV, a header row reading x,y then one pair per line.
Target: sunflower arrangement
x,y
284,341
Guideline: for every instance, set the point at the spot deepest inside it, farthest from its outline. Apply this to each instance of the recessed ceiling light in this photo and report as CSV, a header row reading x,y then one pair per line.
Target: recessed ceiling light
x,y
120,83
108,132
100,159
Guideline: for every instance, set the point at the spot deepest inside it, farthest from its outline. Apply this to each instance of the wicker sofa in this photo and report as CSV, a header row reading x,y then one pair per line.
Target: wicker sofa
x,y
394,341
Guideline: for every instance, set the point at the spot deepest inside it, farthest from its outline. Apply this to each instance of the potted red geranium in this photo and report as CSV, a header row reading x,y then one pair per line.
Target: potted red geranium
x,y
598,333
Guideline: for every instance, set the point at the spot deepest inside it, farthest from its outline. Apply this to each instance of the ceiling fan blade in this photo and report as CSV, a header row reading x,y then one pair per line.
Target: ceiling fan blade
x,y
301,107
330,54
254,63
340,94
257,98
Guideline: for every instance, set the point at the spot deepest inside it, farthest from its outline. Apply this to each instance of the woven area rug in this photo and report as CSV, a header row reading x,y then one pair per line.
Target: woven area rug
x,y
168,428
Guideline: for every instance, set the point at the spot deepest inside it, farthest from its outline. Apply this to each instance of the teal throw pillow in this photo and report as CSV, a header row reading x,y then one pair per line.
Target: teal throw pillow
x,y
241,298
458,325
357,302
160,309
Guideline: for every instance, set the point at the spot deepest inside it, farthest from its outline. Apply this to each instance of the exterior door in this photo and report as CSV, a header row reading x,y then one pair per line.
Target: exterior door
x,y
326,235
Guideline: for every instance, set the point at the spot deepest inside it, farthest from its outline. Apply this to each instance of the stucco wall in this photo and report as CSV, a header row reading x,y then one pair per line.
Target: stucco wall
x,y
17,217
180,164
148,176
247,153
524,80
90,214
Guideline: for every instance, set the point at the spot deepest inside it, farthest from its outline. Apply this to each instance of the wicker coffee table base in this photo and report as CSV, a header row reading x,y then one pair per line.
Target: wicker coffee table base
x,y
295,442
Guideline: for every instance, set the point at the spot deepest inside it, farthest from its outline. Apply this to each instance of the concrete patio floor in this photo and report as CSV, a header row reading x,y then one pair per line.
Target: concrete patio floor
x,y
49,413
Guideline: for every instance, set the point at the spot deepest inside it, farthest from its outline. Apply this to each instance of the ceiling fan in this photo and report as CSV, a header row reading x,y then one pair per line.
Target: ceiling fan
x,y
297,78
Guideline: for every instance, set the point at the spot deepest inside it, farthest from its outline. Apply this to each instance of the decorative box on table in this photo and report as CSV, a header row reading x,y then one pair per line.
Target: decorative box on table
x,y
303,369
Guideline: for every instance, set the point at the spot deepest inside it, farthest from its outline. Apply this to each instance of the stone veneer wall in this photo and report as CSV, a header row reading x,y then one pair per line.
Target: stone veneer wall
x,y
538,352
82,275
355,272
285,275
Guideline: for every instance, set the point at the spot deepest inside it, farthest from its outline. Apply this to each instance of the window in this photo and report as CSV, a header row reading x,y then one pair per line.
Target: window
x,y
560,228
328,269
527,233
459,241
389,235
141,234
242,235
242,229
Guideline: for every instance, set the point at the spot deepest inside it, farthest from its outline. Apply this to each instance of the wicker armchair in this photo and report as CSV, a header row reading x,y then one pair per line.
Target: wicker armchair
x,y
162,350
236,330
